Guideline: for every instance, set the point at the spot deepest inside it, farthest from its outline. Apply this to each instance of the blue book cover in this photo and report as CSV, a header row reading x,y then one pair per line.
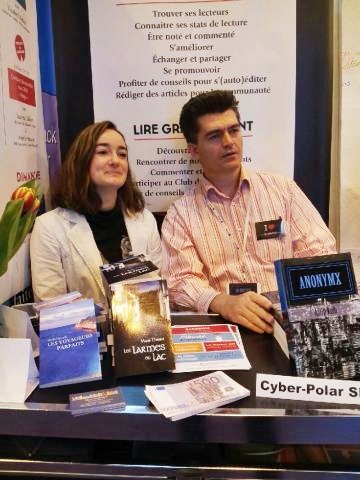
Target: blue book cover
x,y
69,350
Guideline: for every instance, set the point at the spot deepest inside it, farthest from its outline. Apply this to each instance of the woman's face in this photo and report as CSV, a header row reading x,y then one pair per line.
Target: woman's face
x,y
109,164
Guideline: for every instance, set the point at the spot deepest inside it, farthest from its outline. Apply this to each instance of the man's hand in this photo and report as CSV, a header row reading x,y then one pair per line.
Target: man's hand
x,y
250,309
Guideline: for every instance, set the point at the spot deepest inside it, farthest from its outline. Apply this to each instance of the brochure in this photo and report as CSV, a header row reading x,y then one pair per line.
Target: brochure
x,y
208,347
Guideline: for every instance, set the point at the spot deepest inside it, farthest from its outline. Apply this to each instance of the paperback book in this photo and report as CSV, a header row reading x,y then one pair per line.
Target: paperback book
x,y
304,280
130,268
324,338
141,328
321,315
181,400
69,349
58,300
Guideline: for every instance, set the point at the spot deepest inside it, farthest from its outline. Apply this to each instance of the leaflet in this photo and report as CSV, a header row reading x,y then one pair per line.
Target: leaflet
x,y
208,347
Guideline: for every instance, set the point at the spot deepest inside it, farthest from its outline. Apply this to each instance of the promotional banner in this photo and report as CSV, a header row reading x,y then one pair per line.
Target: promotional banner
x,y
48,86
350,120
22,141
149,58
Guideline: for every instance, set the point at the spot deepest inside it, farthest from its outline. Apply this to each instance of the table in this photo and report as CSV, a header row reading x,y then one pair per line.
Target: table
x,y
250,420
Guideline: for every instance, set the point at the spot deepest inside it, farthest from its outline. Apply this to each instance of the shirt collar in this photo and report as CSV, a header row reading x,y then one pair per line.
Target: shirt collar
x,y
210,189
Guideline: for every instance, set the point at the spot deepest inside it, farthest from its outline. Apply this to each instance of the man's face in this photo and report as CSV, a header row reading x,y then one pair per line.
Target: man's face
x,y
219,144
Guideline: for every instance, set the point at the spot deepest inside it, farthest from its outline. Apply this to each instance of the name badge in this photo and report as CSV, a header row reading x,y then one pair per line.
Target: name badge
x,y
239,288
270,229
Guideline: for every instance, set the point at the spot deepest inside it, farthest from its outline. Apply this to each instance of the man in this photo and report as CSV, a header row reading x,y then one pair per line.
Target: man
x,y
217,233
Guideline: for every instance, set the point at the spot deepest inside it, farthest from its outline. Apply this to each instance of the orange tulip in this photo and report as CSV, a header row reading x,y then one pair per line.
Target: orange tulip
x,y
31,202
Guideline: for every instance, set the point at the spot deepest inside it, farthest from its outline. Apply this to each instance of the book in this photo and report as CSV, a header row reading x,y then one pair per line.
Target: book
x,y
96,401
58,300
208,347
181,400
320,311
69,349
305,279
324,338
137,266
278,330
141,327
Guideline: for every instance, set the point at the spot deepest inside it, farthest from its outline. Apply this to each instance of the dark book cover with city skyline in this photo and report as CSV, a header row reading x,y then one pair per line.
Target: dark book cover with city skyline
x,y
321,315
324,338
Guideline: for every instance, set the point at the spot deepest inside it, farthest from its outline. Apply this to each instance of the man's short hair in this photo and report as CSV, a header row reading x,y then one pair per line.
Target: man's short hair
x,y
216,101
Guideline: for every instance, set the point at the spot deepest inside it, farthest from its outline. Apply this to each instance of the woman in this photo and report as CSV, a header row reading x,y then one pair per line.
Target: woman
x,y
100,218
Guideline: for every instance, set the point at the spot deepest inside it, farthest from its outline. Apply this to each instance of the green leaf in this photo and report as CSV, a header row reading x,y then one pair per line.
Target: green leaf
x,y
24,227
9,223
14,226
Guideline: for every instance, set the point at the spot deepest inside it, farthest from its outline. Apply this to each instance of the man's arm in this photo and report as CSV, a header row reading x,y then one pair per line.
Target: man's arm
x,y
182,267
309,233
189,286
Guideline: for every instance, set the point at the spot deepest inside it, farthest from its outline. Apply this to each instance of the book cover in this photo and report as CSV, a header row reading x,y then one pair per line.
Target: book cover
x,y
141,328
303,280
324,338
69,349
321,315
127,269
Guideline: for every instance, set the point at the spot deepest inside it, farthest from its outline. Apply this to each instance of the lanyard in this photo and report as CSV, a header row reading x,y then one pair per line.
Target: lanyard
x,y
221,220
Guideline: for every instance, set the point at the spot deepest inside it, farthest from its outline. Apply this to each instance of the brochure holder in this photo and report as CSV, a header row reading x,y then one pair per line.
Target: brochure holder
x,y
17,378
18,371
17,324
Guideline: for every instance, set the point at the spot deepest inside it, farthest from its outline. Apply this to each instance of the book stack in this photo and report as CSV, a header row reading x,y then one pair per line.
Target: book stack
x,y
131,268
181,400
58,300
139,314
